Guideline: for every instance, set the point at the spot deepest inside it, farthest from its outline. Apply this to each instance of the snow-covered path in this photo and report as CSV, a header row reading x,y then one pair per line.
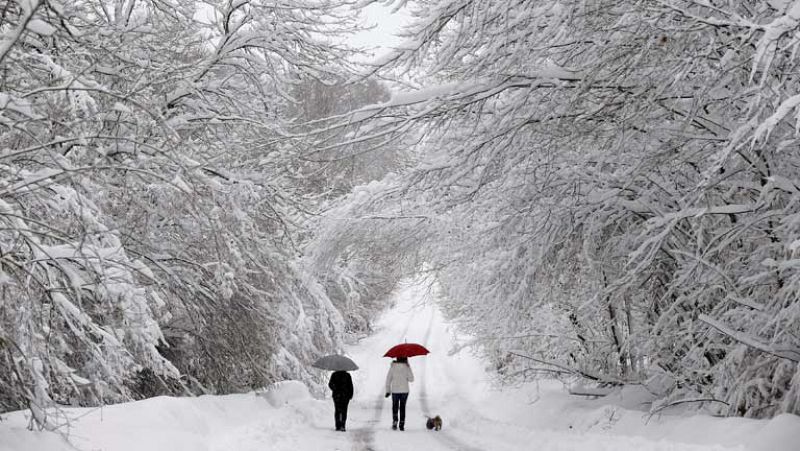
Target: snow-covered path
x,y
442,380
477,416
457,388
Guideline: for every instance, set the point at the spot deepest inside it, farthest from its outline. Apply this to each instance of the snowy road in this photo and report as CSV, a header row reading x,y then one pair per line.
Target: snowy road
x,y
457,388
477,416
414,319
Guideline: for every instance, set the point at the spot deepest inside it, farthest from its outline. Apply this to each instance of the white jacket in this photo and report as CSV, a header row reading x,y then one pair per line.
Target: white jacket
x,y
399,376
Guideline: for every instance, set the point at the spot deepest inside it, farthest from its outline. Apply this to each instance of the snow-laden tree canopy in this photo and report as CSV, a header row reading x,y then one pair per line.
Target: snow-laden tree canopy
x,y
615,185
151,207
605,189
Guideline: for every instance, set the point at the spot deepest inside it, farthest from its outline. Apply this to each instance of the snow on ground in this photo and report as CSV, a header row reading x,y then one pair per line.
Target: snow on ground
x,y
476,414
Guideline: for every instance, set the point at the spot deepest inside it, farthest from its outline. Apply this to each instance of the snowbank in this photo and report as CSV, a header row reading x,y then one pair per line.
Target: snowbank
x,y
548,406
781,433
278,417
287,392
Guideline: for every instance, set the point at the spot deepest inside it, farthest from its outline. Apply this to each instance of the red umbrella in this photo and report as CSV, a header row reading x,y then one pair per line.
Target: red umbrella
x,y
406,350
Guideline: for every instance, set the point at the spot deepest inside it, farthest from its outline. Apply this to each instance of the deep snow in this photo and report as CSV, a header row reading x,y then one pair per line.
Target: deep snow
x,y
477,415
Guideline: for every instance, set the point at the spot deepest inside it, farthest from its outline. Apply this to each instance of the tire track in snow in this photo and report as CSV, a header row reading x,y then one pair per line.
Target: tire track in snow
x,y
445,438
364,438
404,334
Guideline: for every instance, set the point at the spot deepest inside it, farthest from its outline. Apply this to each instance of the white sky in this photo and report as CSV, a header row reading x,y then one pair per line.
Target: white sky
x,y
387,23
375,41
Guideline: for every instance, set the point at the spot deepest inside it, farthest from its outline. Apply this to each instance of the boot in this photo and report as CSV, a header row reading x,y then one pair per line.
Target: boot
x,y
394,425
402,426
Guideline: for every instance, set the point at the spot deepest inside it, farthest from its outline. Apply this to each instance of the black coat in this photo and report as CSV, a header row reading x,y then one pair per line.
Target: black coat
x,y
341,384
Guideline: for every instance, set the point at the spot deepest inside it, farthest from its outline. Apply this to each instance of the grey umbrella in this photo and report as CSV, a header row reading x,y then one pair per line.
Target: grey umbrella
x,y
335,362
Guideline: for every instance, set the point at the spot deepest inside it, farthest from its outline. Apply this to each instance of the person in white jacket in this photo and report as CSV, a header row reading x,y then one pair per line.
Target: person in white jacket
x,y
397,380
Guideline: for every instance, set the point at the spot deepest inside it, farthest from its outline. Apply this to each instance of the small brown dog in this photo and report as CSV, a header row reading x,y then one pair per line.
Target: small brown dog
x,y
434,423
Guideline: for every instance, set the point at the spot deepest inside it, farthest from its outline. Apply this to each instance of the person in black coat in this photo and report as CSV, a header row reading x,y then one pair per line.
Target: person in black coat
x,y
341,384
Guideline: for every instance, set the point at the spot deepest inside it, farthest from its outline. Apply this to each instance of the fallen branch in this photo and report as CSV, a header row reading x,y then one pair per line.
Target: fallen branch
x,y
590,392
581,373
683,401
753,342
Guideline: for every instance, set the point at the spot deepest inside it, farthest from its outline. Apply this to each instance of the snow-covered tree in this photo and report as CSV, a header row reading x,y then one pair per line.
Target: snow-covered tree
x,y
620,180
147,201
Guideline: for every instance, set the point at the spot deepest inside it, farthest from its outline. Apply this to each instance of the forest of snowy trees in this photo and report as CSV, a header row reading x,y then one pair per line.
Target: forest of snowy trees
x,y
609,188
154,211
203,196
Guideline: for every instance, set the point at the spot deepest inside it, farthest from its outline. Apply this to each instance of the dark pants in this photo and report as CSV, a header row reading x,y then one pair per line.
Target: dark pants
x,y
399,403
340,411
